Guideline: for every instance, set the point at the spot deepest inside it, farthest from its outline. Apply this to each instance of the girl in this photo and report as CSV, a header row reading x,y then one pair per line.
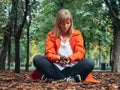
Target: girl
x,y
64,57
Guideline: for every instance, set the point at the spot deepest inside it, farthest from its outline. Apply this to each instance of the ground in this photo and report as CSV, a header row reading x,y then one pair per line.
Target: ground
x,y
12,81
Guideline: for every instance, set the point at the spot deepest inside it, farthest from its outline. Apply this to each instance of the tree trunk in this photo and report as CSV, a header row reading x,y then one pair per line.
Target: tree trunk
x,y
111,53
116,49
4,52
9,54
27,63
28,30
17,34
114,10
17,55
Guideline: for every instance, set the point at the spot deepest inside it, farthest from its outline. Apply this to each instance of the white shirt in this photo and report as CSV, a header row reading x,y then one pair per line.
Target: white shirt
x,y
65,50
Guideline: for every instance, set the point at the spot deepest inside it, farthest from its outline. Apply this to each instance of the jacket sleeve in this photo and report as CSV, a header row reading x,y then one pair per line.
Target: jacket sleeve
x,y
51,53
78,50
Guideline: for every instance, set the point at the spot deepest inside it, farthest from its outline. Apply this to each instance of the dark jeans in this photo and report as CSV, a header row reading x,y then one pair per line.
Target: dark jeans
x,y
83,67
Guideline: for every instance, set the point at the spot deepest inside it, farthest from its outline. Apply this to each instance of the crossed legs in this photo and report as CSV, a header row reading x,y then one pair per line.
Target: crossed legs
x,y
83,68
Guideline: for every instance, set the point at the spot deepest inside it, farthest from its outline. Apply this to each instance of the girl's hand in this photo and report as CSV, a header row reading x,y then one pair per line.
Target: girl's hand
x,y
63,60
59,61
66,61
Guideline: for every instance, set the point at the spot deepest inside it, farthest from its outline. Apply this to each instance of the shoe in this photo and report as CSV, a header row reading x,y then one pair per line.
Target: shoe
x,y
43,77
46,80
90,78
69,79
77,78
49,80
36,75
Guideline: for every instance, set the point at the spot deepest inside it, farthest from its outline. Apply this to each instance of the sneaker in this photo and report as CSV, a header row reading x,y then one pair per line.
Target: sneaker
x,y
77,78
69,79
49,80
43,77
46,80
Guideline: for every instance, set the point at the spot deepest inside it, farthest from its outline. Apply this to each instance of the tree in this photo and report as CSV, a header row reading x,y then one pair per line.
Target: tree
x,y
28,38
6,40
114,7
18,30
28,30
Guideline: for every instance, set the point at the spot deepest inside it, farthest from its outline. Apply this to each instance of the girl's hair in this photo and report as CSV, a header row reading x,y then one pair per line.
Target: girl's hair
x,y
62,15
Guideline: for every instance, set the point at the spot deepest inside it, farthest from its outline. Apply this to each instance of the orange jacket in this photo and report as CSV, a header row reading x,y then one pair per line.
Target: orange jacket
x,y
76,43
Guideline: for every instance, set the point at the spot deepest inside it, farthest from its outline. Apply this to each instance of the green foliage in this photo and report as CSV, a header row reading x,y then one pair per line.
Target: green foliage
x,y
91,17
4,10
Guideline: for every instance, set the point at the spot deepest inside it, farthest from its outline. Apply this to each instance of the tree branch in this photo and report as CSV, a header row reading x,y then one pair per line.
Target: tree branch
x,y
111,10
24,18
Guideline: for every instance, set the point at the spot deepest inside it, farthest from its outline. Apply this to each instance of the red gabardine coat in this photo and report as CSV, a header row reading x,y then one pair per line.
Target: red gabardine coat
x,y
76,43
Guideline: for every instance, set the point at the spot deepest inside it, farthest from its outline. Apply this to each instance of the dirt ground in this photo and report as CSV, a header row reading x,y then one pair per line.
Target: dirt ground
x,y
11,81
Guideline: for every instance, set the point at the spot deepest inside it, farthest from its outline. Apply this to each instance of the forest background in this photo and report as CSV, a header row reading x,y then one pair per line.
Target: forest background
x,y
24,25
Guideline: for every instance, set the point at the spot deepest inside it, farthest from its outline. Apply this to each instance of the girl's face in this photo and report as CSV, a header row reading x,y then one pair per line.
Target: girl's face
x,y
65,26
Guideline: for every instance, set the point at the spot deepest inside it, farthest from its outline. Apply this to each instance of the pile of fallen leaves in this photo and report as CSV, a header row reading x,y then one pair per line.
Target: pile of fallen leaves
x,y
12,81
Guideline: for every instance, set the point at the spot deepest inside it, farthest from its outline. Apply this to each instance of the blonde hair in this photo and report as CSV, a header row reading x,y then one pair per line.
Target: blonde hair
x,y
62,15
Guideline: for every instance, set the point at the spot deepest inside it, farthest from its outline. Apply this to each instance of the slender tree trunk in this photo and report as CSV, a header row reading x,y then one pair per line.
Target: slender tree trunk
x,y
28,38
4,52
111,53
9,54
17,55
27,63
17,32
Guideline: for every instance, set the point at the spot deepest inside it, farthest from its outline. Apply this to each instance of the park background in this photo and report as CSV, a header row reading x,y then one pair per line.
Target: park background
x,y
24,25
